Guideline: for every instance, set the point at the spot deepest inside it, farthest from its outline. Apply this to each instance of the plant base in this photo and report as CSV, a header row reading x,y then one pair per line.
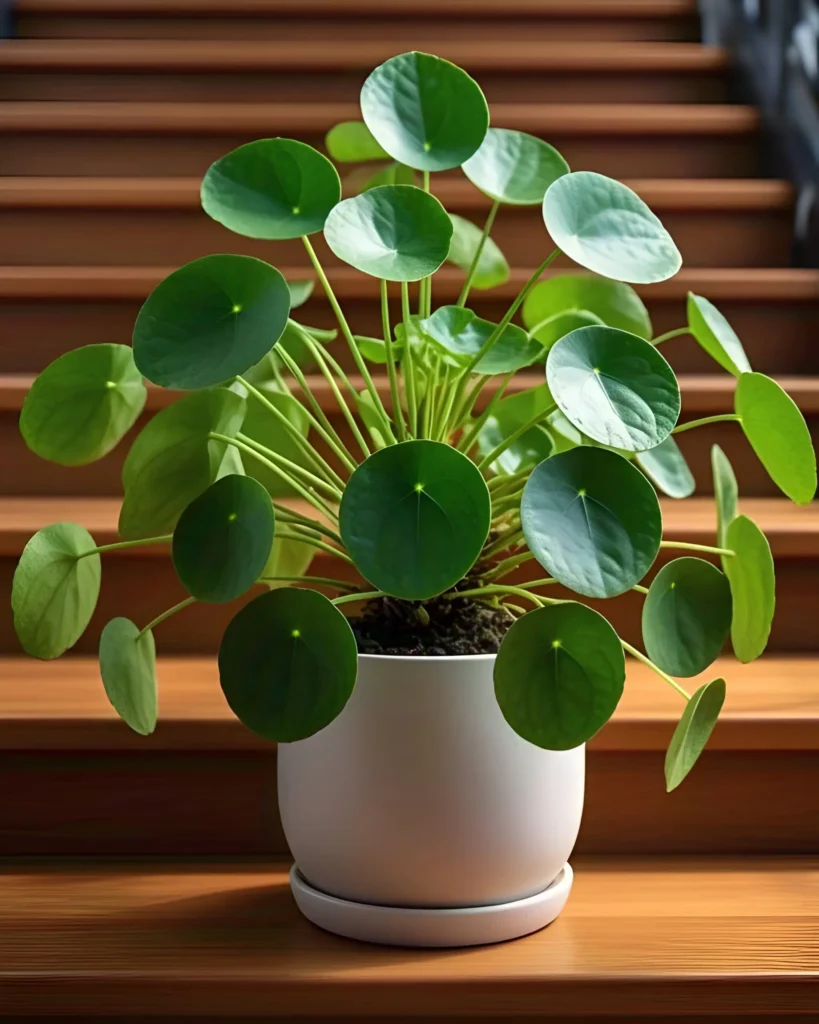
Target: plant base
x,y
416,926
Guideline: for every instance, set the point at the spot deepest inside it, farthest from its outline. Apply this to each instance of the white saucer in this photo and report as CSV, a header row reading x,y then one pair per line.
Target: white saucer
x,y
412,926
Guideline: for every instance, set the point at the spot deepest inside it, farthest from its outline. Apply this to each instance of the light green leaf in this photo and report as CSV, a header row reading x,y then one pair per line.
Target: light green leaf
x,y
693,731
300,292
509,415
461,334
392,174
726,492
513,167
288,557
353,142
128,670
616,304
260,425
492,270
751,574
553,328
665,465
716,336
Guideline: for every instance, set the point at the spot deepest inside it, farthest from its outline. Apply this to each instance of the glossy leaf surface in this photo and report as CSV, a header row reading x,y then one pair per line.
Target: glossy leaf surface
x,y
461,335
615,303
514,167
553,328
128,670
693,731
713,332
492,270
666,466
753,587
509,415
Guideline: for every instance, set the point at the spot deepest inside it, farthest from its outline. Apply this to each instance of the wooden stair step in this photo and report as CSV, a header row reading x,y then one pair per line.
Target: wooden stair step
x,y
75,780
620,139
708,936
27,475
75,221
48,310
278,70
406,24
140,582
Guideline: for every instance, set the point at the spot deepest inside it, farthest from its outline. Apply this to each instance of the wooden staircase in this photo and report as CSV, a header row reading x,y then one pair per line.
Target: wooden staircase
x,y
695,905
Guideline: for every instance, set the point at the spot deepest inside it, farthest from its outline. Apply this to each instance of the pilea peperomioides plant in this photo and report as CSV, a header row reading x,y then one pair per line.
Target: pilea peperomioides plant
x,y
428,498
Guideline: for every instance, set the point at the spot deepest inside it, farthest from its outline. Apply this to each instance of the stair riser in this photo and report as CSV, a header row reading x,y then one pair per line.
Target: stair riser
x,y
507,86
774,333
148,154
224,802
25,474
403,33
140,587
137,237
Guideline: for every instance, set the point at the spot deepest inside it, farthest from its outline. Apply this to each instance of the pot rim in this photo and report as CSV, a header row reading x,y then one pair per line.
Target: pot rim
x,y
420,658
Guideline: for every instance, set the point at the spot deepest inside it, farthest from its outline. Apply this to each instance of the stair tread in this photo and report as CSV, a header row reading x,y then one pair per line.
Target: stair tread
x,y
627,119
792,530
748,284
326,55
693,935
183,193
772,704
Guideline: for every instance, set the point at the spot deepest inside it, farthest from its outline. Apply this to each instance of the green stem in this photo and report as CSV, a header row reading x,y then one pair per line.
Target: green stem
x,y
407,363
287,516
476,259
367,595
639,589
296,436
509,539
395,394
509,564
166,615
536,599
314,542
507,442
724,417
678,333
122,545
348,336
685,546
332,492
655,668
470,435
323,581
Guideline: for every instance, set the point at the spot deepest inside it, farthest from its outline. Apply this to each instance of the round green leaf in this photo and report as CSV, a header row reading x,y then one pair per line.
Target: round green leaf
x,y
300,292
55,589
262,426
222,541
128,670
272,189
614,387
665,465
716,336
424,111
559,675
553,328
778,434
693,731
492,270
686,616
353,142
509,415
210,320
414,517
288,664
461,335
395,232
726,492
174,459
374,349
392,174
82,404
605,227
753,587
614,303
513,167
592,520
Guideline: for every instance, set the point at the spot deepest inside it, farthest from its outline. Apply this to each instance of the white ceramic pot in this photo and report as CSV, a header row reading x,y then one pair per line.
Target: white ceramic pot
x,y
420,795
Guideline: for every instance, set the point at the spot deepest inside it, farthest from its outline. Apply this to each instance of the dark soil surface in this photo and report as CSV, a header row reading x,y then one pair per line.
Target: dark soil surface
x,y
434,628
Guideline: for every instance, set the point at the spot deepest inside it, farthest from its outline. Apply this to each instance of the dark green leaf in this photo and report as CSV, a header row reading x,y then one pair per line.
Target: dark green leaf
x,y
210,320
615,303
271,188
614,387
686,616
82,404
604,226
666,466
395,232
514,167
559,675
553,328
778,434
288,664
414,517
492,269
716,336
352,142
262,426
726,492
509,415
223,539
128,670
461,335
753,587
424,111
55,589
592,520
174,459
693,731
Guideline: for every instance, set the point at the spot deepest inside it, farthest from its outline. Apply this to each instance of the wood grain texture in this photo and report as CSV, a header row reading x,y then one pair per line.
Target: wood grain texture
x,y
693,936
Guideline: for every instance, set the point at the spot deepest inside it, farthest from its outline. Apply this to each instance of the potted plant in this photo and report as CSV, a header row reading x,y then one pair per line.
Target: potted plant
x,y
432,747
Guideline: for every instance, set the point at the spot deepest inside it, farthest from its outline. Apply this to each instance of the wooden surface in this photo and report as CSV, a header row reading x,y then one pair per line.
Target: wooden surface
x,y
638,937
772,704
